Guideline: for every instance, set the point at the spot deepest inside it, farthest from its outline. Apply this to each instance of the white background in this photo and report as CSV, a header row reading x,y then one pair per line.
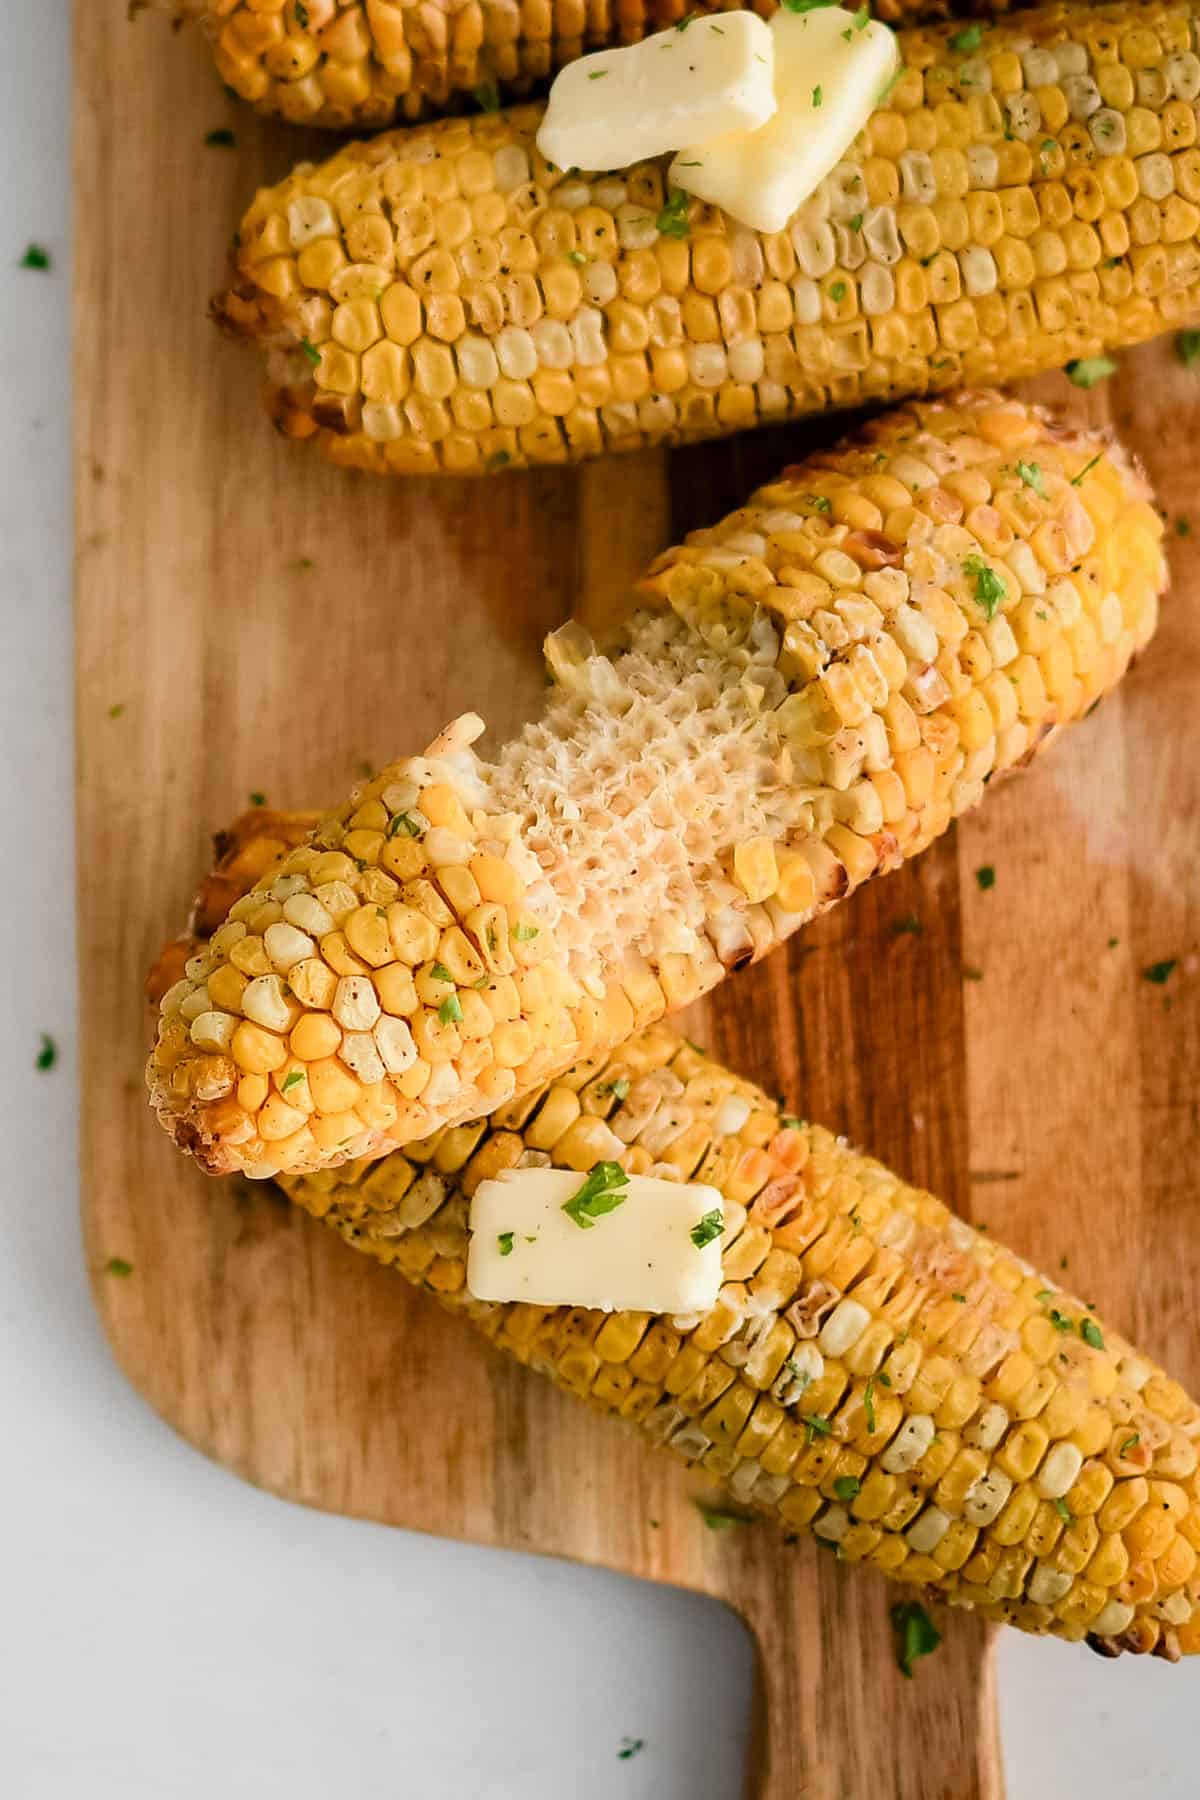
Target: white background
x,y
167,1633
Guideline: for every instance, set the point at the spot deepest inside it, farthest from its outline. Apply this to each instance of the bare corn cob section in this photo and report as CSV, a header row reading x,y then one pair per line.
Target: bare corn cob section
x,y
367,63
875,1371
816,688
443,300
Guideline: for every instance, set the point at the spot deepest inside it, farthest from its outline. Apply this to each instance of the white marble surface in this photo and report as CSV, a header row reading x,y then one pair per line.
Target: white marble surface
x,y
169,1634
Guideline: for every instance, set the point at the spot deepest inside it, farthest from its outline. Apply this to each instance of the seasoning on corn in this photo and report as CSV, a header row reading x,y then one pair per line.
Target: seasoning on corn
x,y
466,308
815,689
366,63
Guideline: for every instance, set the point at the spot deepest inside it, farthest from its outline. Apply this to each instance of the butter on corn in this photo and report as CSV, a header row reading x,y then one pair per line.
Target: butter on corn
x,y
608,1240
831,69
442,301
813,690
681,86
874,1371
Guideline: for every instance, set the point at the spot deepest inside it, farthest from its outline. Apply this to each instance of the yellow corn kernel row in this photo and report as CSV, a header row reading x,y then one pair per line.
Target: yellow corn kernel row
x,y
453,303
875,1371
945,593
366,63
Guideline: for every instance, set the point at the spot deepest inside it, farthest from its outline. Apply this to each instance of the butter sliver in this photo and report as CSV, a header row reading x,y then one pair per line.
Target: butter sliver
x,y
831,67
646,1246
619,107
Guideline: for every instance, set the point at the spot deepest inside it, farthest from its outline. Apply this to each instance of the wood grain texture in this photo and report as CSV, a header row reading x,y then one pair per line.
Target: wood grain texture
x,y
269,624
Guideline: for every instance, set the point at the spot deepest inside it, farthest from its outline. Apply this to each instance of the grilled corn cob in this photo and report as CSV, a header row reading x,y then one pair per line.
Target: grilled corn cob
x,y
442,300
875,1370
811,693
366,63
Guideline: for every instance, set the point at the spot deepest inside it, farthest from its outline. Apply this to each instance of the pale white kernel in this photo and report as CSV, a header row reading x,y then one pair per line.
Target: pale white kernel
x,y
286,946
1059,1471
987,1497
394,1042
265,1001
357,1050
1048,1584
843,1328
306,912
927,1530
355,1003
213,1030
909,1444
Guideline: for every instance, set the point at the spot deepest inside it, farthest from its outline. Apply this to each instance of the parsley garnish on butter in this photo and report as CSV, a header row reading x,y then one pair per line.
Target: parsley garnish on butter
x,y
602,1192
706,1229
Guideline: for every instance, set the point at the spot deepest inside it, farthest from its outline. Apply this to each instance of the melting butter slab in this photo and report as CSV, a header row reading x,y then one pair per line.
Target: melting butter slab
x,y
703,80
617,1242
831,69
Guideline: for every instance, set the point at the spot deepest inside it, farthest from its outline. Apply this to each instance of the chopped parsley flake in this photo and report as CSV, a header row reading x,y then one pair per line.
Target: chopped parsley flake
x,y
116,1265
989,587
971,973
798,1374
1187,348
450,1011
486,97
311,352
816,1425
846,1486
986,877
47,1055
1090,371
968,39
1183,528
290,1081
803,6
36,258
672,221
1064,1512
505,1241
524,934
862,18
440,972
1091,1334
1059,1320
790,1123
597,74
837,292
706,1229
619,1089
916,1634
222,139
856,223
1031,475
499,459
909,924
1160,972
961,1298
602,1192
631,1746
1044,1294
577,257
1131,1443
869,1403
1086,469
114,712
404,825
886,91
720,1518
817,96
258,798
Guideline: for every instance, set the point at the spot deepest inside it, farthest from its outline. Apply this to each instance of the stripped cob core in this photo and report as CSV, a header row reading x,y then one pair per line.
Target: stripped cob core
x,y
814,690
365,63
442,300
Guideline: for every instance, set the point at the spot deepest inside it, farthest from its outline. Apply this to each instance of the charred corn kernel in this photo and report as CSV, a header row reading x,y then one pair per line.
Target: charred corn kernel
x,y
1003,230
756,809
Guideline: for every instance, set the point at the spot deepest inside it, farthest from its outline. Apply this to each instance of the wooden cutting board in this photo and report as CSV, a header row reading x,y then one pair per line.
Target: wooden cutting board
x,y
251,621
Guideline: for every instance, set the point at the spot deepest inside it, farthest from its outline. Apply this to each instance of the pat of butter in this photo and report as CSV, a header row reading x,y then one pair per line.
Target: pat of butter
x,y
619,107
641,1257
830,71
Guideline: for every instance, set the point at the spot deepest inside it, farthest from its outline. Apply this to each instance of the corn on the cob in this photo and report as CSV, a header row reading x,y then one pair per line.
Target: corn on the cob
x,y
875,1370
365,63
814,690
442,300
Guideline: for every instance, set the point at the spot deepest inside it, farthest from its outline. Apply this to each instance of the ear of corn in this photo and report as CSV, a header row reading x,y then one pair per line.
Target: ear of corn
x,y
875,1371
365,63
818,687
442,300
